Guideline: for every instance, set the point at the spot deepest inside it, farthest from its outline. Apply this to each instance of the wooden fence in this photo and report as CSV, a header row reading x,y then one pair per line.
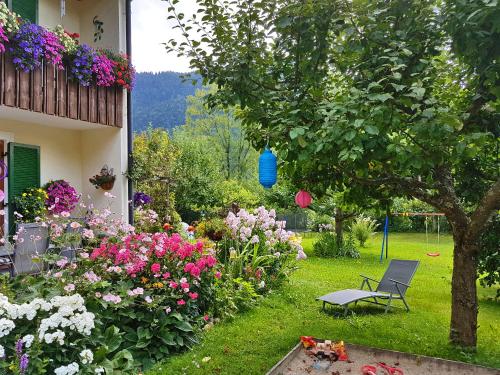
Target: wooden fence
x,y
49,90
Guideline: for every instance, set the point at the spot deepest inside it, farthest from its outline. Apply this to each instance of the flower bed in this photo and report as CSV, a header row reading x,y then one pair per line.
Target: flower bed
x,y
130,299
31,44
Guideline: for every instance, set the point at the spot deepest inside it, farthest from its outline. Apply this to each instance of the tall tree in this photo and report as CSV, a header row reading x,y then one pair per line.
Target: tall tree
x,y
399,96
222,132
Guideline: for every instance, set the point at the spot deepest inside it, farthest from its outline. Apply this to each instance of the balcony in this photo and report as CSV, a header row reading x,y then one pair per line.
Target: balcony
x,y
50,91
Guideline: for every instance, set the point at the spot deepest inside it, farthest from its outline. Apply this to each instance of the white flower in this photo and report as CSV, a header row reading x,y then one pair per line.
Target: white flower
x,y
6,326
87,356
28,340
70,369
262,284
2,351
99,370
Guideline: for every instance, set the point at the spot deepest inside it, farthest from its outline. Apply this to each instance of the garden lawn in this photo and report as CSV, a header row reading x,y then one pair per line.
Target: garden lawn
x,y
254,341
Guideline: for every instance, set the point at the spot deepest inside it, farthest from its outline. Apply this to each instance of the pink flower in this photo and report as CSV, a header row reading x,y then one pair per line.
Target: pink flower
x,y
166,275
69,288
181,302
185,285
173,284
218,275
155,267
195,271
193,295
112,298
206,318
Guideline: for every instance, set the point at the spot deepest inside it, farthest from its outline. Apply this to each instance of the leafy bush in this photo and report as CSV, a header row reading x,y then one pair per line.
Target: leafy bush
x,y
363,228
233,296
489,258
30,205
316,221
326,247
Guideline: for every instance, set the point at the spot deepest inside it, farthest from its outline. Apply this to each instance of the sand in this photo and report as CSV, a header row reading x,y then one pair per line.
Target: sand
x,y
297,362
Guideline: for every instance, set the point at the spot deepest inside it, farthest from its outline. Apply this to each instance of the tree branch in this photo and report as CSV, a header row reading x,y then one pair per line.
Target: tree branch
x,y
489,203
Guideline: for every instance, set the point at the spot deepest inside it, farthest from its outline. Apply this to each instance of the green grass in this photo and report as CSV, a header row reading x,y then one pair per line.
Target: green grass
x,y
254,341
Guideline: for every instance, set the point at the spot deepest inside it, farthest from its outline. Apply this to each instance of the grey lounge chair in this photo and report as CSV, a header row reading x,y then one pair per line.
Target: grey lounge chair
x,y
393,285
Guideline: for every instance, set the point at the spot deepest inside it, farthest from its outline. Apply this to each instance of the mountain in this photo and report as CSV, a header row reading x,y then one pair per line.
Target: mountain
x,y
160,98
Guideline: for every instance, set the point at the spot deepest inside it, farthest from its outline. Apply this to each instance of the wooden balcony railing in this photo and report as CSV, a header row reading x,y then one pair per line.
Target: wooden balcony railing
x,y
50,91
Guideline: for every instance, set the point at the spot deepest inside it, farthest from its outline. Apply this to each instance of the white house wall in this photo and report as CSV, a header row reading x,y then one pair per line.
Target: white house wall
x,y
75,155
60,150
79,19
105,146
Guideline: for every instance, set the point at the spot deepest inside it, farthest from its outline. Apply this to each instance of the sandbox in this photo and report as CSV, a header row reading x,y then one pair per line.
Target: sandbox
x,y
298,362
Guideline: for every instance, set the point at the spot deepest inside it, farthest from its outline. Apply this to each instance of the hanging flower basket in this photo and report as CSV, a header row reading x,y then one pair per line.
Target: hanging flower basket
x,y
105,180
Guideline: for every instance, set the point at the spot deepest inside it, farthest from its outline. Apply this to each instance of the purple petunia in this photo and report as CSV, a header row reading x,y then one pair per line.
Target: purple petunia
x,y
82,63
31,44
141,199
28,47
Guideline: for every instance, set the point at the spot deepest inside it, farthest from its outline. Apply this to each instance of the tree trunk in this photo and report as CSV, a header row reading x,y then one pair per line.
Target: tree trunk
x,y
464,307
339,227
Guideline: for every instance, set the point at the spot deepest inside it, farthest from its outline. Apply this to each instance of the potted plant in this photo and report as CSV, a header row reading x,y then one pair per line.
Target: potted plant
x,y
105,180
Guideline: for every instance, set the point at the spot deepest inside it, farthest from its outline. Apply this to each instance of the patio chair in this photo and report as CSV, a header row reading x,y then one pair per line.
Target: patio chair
x,y
393,286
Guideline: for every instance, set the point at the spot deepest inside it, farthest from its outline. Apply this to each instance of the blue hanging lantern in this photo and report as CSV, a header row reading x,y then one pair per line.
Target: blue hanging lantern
x,y
268,168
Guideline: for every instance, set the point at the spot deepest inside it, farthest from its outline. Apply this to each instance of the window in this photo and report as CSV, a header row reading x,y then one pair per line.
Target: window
x,y
27,9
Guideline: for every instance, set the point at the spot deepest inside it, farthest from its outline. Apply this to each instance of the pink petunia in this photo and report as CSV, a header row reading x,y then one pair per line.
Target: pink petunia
x,y
181,302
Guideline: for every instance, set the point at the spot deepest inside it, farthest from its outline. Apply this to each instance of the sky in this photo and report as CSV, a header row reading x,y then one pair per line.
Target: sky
x,y
150,28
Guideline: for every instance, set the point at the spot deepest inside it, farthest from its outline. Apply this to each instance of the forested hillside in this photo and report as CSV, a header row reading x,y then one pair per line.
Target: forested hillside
x,y
160,98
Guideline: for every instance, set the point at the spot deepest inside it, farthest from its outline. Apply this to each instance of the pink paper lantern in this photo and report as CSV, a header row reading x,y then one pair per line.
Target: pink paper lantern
x,y
303,199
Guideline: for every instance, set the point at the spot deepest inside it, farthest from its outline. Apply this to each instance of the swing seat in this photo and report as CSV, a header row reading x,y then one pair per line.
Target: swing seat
x,y
393,285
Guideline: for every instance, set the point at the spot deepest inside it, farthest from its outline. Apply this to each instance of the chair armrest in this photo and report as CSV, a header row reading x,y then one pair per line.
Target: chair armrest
x,y
369,278
399,282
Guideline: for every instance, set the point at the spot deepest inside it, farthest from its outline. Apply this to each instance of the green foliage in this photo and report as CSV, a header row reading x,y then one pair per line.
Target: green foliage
x,y
215,229
363,228
233,296
317,222
327,247
246,195
222,133
154,170
30,205
197,179
489,259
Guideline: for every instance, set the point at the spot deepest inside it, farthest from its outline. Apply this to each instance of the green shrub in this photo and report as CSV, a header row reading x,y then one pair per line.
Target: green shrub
x,y
363,228
315,221
231,297
327,247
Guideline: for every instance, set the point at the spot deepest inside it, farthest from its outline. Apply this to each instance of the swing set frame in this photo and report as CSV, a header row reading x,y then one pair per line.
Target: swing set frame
x,y
385,238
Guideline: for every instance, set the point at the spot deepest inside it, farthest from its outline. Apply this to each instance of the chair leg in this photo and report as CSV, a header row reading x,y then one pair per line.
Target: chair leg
x,y
406,305
346,309
388,306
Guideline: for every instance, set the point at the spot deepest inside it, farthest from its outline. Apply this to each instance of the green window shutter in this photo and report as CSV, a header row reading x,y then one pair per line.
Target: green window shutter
x,y
27,9
24,172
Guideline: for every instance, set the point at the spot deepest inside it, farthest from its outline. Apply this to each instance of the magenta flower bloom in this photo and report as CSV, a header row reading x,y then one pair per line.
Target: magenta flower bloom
x,y
3,39
62,197
53,49
103,68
